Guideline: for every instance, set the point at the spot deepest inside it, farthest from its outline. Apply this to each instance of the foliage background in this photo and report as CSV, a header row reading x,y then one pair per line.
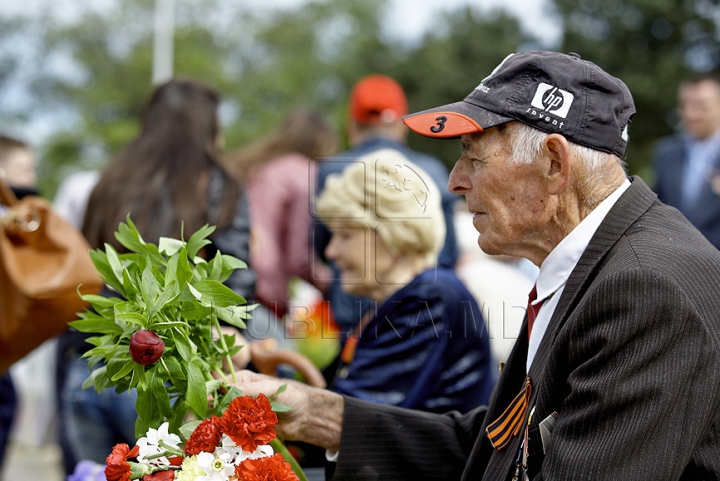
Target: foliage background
x,y
94,69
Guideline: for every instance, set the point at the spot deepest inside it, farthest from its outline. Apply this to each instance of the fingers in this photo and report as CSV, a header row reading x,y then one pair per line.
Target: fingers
x,y
252,383
250,376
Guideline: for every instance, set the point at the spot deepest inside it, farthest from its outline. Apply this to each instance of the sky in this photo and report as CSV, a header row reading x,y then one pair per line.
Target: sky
x,y
408,21
413,17
409,18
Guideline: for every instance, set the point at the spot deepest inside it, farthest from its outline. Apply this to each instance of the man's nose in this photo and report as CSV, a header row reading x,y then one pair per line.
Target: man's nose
x,y
459,181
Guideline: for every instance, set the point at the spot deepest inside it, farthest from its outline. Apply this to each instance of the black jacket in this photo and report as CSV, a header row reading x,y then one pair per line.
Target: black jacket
x,y
630,363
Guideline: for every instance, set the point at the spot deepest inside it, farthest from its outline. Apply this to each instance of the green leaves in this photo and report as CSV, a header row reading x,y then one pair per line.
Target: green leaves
x,y
216,294
196,392
179,296
199,240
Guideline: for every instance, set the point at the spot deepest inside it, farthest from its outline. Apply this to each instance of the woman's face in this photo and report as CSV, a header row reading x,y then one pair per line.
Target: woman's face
x,y
364,261
19,167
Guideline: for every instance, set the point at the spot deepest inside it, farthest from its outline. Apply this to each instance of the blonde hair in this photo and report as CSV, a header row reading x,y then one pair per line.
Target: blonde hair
x,y
393,196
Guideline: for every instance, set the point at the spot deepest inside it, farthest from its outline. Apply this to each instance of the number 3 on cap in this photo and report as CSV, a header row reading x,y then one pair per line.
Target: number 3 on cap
x,y
440,124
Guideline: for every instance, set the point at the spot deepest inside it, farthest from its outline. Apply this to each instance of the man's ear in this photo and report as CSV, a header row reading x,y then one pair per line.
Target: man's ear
x,y
557,151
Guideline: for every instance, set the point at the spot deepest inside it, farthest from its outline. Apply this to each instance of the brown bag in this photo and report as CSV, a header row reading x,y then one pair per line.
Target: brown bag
x,y
43,260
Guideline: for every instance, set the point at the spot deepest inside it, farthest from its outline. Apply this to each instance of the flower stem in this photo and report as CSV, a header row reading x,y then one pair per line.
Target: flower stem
x,y
228,359
169,448
279,447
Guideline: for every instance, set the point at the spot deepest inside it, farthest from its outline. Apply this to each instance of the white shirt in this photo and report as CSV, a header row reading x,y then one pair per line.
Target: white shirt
x,y
559,264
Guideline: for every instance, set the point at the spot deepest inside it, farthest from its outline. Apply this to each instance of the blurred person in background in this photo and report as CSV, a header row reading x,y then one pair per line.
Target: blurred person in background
x,y
71,198
278,171
377,104
70,202
422,344
687,165
17,162
168,175
17,168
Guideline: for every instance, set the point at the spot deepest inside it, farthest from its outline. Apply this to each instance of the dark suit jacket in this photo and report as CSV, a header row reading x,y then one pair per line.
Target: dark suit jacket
x,y
670,160
630,362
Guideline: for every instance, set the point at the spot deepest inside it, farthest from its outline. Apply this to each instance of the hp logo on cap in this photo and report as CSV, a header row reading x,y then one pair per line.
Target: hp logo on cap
x,y
552,100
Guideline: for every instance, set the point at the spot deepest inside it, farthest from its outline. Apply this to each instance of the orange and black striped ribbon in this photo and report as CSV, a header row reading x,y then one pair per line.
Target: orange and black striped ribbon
x,y
503,429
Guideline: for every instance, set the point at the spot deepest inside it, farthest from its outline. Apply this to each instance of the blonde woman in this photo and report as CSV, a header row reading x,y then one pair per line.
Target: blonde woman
x,y
423,345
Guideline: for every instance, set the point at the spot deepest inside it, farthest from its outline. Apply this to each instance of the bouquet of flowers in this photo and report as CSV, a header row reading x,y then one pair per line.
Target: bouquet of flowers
x,y
161,335
234,446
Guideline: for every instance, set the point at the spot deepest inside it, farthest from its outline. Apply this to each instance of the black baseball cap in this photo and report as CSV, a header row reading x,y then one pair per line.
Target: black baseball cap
x,y
550,91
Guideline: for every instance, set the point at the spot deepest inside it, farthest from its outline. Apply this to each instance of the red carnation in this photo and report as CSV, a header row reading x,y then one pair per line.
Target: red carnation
x,y
117,468
206,437
146,347
168,475
249,422
273,468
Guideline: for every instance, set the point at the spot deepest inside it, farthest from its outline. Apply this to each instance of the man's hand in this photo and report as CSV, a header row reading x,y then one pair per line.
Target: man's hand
x,y
317,414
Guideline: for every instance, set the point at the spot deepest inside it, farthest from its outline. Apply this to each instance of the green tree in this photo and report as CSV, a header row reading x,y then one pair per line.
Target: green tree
x,y
462,49
113,53
10,30
651,45
308,56
264,64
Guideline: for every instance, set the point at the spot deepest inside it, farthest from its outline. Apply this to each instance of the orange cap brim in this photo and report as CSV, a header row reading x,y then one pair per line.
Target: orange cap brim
x,y
454,120
442,125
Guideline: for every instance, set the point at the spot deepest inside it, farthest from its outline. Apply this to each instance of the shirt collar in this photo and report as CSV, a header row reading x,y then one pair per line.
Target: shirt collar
x,y
559,264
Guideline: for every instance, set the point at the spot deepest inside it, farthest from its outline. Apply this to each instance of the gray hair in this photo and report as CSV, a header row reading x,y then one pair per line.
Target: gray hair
x,y
527,142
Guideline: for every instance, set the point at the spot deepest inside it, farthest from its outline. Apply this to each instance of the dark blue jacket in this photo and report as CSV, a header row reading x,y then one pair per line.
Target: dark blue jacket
x,y
426,348
670,162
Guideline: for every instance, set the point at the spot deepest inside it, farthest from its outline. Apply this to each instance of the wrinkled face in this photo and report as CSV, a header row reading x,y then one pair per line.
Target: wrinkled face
x,y
699,108
362,257
507,200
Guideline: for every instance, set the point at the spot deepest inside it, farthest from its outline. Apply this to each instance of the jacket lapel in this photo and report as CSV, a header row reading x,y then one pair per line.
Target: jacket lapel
x,y
626,211
494,465
508,386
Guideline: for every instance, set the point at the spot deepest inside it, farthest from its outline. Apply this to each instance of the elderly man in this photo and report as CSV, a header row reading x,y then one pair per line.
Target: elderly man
x,y
618,375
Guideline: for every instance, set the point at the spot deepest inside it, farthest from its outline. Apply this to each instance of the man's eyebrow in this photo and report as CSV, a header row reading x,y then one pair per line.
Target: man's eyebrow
x,y
466,149
465,146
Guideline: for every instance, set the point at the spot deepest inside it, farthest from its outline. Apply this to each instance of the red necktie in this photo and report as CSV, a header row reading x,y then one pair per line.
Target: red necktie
x,y
532,310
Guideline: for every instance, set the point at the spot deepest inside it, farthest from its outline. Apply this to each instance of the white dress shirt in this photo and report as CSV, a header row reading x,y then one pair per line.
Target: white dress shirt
x,y
557,266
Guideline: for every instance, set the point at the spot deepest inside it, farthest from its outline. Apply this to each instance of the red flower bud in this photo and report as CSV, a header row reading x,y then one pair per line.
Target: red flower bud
x,y
146,347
